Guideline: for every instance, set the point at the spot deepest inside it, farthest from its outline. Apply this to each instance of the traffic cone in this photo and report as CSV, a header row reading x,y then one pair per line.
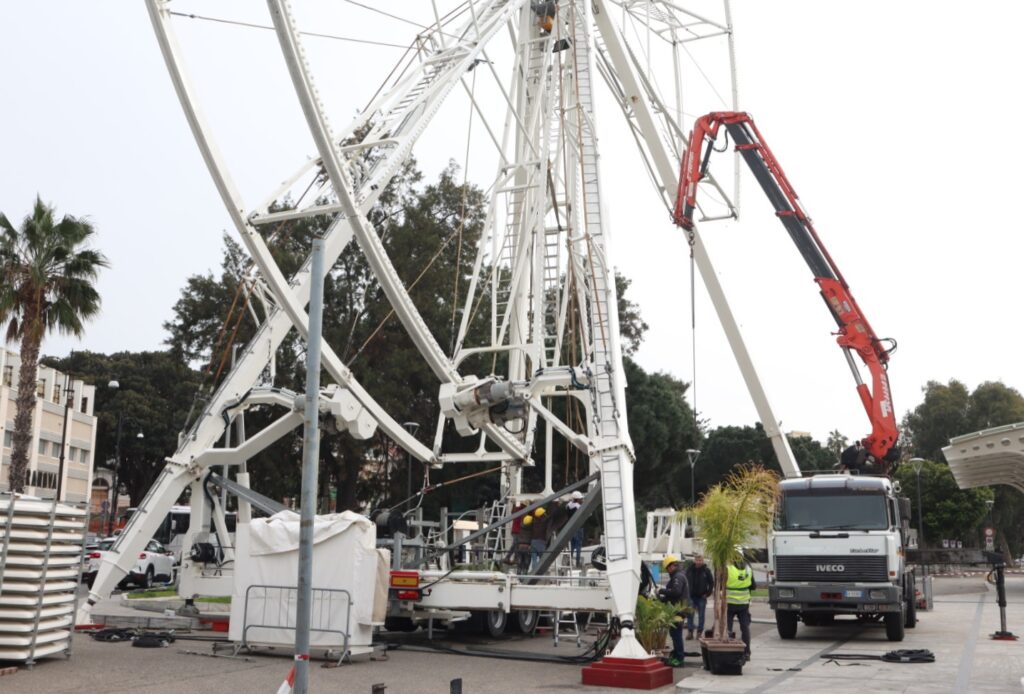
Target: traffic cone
x,y
289,682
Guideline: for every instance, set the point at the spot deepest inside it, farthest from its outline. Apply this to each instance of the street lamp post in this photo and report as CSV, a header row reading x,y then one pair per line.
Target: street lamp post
x,y
68,399
114,385
918,463
412,428
692,454
991,523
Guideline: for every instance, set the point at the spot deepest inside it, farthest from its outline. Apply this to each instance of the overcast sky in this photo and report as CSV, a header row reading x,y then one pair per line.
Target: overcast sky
x,y
893,120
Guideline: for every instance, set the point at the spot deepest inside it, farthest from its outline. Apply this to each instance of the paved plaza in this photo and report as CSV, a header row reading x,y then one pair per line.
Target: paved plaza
x,y
956,631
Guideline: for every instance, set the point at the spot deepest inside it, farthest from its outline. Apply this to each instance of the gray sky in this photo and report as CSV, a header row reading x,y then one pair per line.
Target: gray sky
x,y
889,118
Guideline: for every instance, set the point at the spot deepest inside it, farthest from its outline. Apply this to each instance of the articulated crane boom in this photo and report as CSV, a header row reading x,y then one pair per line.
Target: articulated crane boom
x,y
855,333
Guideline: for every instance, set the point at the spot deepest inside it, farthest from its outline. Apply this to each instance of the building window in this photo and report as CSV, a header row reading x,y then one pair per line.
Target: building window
x,y
9,375
40,389
42,447
85,404
46,480
56,393
85,456
9,439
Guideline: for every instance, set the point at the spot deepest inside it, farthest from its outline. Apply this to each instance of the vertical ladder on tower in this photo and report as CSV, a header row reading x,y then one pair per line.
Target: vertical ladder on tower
x,y
606,409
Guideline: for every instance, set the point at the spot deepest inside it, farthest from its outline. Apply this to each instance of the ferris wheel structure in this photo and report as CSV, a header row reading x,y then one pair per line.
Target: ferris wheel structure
x,y
541,303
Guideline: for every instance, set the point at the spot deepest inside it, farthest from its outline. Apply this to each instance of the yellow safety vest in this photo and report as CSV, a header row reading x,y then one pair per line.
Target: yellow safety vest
x,y
737,590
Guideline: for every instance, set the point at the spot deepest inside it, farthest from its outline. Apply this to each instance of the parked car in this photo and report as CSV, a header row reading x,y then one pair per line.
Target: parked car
x,y
154,565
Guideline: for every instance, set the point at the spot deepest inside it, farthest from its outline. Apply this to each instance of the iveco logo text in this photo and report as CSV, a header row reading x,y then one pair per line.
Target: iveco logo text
x,y
830,567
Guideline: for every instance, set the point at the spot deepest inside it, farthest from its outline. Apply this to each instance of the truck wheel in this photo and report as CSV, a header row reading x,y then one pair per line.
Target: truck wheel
x,y
526,621
399,624
894,626
910,620
495,622
786,622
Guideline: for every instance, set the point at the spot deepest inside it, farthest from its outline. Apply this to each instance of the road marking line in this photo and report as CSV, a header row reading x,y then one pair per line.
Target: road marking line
x,y
967,659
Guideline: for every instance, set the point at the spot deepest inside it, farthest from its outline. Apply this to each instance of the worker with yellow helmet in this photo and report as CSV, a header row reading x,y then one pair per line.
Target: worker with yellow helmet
x,y
675,591
539,528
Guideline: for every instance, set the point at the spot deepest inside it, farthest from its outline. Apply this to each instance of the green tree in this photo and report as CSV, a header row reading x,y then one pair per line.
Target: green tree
x,y
47,284
154,396
662,427
430,233
949,411
632,326
836,444
950,512
942,415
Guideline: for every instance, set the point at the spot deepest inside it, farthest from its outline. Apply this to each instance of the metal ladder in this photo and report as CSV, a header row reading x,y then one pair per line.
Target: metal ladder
x,y
606,409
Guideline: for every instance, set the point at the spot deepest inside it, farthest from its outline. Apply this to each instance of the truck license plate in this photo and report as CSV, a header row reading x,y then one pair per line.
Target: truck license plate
x,y
855,593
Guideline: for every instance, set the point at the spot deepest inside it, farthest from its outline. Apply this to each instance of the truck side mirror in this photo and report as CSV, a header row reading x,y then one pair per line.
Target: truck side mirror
x,y
905,508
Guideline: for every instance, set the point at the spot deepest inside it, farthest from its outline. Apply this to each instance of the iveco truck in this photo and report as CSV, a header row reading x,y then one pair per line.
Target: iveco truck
x,y
838,548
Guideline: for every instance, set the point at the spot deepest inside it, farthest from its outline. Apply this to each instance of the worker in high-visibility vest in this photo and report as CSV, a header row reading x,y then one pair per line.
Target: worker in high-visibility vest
x,y
737,594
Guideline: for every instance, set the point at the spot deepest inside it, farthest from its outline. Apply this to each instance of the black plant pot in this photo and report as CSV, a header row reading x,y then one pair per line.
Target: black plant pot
x,y
723,657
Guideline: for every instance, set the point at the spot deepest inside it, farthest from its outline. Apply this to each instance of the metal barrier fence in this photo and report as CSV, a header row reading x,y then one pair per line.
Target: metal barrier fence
x,y
274,607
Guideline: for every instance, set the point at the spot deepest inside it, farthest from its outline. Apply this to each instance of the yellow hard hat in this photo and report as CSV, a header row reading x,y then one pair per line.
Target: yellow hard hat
x,y
539,512
668,561
528,520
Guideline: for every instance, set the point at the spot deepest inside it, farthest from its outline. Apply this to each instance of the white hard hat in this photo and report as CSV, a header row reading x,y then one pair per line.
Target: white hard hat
x,y
577,495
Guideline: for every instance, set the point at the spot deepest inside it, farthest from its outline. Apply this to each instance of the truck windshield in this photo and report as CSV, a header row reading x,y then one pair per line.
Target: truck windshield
x,y
844,511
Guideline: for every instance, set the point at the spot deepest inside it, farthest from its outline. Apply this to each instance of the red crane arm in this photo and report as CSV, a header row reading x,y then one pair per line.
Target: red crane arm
x,y
854,332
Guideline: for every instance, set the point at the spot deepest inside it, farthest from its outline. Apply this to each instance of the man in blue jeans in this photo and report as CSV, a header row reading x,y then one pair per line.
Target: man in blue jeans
x,y
675,591
702,584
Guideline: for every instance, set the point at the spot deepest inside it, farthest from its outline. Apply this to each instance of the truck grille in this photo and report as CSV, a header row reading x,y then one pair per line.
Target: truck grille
x,y
842,568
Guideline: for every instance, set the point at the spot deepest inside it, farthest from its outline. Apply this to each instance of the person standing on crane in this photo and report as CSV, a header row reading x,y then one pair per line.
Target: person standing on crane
x,y
675,591
737,596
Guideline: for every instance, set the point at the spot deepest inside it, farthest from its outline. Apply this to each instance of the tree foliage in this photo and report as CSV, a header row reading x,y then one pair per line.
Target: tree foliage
x,y
47,276
949,512
154,394
662,427
949,410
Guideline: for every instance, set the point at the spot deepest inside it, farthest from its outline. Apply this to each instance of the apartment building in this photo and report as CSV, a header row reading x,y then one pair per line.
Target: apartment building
x,y
48,431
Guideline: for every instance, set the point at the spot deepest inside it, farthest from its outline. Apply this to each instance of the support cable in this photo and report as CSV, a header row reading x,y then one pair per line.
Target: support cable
x,y
250,25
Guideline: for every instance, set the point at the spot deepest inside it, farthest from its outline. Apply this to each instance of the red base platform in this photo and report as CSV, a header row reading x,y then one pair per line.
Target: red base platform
x,y
628,673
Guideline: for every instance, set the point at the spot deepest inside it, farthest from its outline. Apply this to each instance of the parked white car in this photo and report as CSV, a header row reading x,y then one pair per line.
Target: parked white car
x,y
154,565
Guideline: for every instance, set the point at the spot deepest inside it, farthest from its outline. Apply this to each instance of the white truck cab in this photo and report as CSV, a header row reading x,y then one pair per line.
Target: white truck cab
x,y
837,547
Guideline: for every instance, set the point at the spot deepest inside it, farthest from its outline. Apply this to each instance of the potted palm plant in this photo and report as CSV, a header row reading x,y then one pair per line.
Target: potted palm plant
x,y
653,619
730,512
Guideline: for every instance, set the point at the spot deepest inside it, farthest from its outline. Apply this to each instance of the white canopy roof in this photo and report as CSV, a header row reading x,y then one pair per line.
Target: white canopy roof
x,y
988,457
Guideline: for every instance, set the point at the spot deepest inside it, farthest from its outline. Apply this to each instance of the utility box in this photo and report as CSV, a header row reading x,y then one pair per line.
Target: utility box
x,y
350,580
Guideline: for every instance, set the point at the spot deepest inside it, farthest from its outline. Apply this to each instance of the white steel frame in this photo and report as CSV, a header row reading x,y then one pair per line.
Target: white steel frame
x,y
545,240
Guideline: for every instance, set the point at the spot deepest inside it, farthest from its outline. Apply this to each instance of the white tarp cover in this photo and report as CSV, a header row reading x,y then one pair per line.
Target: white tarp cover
x,y
344,558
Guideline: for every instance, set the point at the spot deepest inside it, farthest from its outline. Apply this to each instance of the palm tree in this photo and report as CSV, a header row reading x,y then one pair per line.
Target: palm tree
x,y
46,284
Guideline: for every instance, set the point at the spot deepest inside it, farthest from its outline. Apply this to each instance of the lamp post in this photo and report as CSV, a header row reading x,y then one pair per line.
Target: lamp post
x,y
68,400
991,524
918,463
114,385
412,428
692,454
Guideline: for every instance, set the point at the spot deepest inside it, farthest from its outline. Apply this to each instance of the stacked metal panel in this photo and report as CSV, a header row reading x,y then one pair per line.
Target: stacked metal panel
x,y
41,547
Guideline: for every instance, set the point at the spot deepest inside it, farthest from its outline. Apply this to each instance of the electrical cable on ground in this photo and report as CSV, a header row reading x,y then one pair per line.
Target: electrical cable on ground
x,y
595,651
906,655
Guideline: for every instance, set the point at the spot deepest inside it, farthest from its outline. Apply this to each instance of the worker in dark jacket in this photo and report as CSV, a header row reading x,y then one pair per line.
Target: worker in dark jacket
x,y
676,590
702,583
